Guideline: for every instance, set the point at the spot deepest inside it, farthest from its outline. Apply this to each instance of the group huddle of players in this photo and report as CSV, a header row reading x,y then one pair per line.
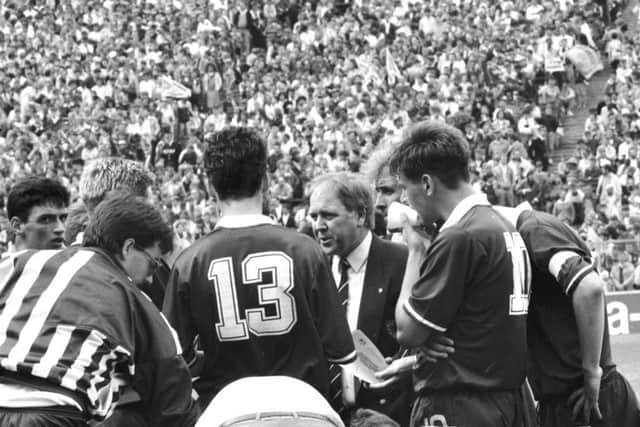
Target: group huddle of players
x,y
497,295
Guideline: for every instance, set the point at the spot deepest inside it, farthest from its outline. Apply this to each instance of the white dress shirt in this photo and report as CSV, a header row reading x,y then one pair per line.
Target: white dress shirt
x,y
357,267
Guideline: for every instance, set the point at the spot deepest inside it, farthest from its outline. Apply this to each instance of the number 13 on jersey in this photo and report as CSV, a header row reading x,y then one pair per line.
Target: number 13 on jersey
x,y
519,299
276,293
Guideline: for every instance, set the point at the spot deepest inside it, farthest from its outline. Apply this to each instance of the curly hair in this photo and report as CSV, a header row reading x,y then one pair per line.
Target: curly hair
x,y
236,162
112,173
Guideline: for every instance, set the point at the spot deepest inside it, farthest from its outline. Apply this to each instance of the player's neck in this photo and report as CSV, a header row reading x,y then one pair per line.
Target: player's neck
x,y
453,198
20,244
248,206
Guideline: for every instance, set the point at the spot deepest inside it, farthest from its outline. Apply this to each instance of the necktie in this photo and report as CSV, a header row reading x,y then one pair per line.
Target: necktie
x,y
335,371
343,286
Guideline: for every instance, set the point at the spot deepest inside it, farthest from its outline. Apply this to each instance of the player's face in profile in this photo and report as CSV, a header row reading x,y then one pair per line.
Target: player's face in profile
x,y
335,228
45,227
416,194
139,262
387,192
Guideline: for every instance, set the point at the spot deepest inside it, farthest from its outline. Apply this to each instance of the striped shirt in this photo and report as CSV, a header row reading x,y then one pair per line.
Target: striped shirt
x,y
73,320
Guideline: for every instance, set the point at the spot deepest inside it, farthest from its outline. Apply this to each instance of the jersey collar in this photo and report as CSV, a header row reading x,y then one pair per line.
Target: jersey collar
x,y
243,221
513,214
463,207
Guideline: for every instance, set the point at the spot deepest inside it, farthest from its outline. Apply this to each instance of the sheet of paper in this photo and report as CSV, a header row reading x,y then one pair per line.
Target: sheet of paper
x,y
369,360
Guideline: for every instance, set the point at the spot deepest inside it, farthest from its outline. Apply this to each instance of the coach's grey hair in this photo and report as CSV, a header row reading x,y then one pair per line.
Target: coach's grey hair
x,y
377,164
352,191
103,175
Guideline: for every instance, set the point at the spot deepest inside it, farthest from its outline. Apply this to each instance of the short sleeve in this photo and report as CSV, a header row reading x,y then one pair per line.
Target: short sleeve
x,y
436,296
556,251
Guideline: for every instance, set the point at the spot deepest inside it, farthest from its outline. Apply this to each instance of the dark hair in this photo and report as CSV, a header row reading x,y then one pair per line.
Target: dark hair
x,y
35,191
122,216
352,191
371,418
236,162
434,148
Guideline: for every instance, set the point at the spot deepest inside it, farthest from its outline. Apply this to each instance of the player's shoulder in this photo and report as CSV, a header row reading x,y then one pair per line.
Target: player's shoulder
x,y
537,226
275,236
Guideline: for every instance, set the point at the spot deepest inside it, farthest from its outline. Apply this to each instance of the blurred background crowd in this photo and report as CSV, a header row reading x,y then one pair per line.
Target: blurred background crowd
x,y
326,81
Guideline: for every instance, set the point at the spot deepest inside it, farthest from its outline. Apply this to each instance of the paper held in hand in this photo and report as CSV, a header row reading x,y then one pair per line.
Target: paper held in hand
x,y
369,360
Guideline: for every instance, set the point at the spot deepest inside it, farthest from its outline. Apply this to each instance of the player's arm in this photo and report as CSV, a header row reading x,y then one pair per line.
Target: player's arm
x,y
410,332
162,377
431,295
584,286
580,281
177,309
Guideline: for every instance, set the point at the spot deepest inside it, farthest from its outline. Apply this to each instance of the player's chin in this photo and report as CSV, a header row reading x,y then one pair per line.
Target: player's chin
x,y
56,244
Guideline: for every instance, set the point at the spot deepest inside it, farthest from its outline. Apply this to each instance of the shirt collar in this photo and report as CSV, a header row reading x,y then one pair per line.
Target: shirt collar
x,y
463,207
513,214
358,257
243,221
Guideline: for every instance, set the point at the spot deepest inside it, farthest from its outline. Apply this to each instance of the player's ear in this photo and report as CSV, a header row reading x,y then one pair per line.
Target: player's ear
x,y
127,247
17,225
427,184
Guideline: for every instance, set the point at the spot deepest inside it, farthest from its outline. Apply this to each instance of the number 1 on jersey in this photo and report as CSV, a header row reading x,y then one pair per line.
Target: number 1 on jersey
x,y
519,300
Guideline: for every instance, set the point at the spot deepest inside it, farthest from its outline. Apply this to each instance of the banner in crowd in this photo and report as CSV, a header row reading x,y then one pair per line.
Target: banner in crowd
x,y
553,64
367,69
169,88
393,73
586,60
623,309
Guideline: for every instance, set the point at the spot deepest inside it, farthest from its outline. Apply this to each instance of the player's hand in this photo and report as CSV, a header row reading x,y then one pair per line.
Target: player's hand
x,y
437,347
584,401
416,241
392,373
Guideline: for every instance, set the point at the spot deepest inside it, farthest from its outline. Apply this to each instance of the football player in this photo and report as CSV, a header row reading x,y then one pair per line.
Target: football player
x,y
471,282
75,330
37,210
261,297
572,373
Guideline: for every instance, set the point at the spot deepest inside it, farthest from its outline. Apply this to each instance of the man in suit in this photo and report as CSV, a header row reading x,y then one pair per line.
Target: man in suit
x,y
368,272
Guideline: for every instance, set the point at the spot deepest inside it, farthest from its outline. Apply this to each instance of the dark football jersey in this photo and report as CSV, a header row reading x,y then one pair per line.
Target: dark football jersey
x,y
72,322
555,366
263,302
474,285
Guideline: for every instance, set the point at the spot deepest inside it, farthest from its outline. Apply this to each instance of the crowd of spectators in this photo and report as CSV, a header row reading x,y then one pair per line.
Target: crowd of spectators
x,y
325,81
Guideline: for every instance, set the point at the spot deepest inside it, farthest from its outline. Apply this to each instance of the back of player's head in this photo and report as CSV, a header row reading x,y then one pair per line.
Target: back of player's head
x,y
434,148
236,163
124,215
35,191
352,191
112,173
371,418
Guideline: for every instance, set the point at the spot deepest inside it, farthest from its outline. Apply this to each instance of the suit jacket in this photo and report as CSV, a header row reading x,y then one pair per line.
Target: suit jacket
x,y
382,281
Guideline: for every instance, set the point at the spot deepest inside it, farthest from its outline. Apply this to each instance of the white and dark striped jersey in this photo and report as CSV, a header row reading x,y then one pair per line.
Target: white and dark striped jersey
x,y
72,322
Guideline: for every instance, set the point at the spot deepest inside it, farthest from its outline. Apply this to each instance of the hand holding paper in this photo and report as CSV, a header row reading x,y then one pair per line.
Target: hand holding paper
x,y
369,360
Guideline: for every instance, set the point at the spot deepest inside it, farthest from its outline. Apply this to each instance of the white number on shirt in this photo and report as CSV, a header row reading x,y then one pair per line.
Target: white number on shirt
x,y
277,293
519,300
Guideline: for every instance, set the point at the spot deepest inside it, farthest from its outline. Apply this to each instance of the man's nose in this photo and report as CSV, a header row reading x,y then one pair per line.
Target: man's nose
x,y
60,225
380,201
